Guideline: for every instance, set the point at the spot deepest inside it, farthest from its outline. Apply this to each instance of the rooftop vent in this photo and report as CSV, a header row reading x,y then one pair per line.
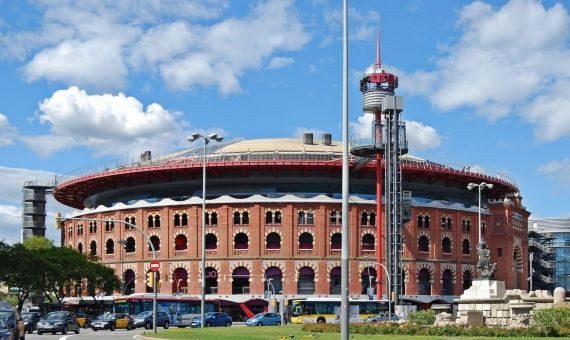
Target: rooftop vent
x,y
146,156
327,139
308,138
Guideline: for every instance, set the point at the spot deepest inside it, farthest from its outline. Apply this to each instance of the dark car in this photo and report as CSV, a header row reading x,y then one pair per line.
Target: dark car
x,y
13,323
144,319
213,320
5,333
56,322
31,321
112,321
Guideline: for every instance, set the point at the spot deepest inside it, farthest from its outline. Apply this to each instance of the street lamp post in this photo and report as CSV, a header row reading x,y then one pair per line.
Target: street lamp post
x,y
122,244
480,186
207,139
58,220
178,286
269,284
389,288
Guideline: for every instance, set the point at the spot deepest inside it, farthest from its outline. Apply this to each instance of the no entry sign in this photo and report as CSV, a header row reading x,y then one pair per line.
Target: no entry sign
x,y
155,266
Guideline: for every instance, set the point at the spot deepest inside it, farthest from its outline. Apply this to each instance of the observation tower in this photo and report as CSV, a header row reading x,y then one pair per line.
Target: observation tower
x,y
387,144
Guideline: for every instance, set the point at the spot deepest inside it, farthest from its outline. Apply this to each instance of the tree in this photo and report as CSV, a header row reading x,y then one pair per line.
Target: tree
x,y
38,243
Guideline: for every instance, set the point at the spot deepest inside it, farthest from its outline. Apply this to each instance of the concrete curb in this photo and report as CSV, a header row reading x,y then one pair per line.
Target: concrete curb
x,y
142,337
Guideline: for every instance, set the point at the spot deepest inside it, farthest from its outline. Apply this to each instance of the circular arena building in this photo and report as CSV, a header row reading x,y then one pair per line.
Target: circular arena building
x,y
273,214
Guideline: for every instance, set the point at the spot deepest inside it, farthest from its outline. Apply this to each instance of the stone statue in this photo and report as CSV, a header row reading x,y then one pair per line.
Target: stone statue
x,y
485,268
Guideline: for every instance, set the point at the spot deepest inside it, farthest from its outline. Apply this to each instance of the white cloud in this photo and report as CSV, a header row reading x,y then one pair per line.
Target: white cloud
x,y
110,124
12,180
559,170
279,62
362,26
7,131
11,225
420,136
95,45
508,59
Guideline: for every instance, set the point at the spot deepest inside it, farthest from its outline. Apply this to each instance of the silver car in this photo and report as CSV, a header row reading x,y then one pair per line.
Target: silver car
x,y
382,317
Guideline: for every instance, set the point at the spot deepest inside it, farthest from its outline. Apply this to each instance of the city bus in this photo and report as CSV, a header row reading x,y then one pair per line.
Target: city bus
x,y
180,309
326,310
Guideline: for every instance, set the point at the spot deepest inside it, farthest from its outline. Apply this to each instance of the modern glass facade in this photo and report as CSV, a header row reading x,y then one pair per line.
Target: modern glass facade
x,y
561,247
549,246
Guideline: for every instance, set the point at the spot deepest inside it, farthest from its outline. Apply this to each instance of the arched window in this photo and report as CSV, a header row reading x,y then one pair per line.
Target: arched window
x,y
332,217
184,219
157,221
301,217
364,218
206,218
245,218
334,277
177,220
420,221
211,242
133,221
427,221
372,218
277,217
310,217
368,242
467,279
237,219
130,245
424,284
466,225
92,227
443,223
273,241
368,280
466,247
423,243
180,281
181,242
336,241
449,223
446,245
306,281
110,247
306,241
241,241
80,248
447,282
79,229
240,283
211,280
274,280
129,280
214,218
268,217
93,248
155,243
150,222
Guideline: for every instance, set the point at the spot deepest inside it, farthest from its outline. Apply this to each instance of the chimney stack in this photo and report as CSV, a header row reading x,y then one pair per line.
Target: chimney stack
x,y
308,138
327,139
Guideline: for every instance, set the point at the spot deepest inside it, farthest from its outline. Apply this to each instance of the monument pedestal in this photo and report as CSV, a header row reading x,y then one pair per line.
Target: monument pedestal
x,y
481,304
484,289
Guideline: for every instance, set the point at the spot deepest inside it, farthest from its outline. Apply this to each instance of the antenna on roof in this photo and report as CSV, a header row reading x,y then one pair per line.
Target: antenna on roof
x,y
378,46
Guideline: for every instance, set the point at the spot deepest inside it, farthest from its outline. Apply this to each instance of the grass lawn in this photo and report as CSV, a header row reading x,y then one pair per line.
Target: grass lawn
x,y
283,332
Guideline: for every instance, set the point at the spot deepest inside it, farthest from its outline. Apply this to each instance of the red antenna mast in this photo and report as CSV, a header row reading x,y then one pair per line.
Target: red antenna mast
x,y
377,46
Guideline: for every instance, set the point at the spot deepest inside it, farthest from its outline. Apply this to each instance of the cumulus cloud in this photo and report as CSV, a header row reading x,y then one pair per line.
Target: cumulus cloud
x,y
509,59
96,45
7,131
279,62
559,170
420,136
11,227
362,26
109,124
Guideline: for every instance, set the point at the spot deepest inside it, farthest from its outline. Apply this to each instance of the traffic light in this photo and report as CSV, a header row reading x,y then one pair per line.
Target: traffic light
x,y
58,221
150,279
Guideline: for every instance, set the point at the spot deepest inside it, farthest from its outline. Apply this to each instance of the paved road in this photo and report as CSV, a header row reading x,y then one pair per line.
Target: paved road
x,y
87,334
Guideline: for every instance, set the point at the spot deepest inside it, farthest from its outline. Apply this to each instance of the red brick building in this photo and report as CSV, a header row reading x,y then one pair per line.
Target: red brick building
x,y
274,212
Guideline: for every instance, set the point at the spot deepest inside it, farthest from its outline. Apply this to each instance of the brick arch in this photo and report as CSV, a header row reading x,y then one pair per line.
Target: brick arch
x,y
180,212
82,243
175,265
181,232
273,210
131,266
305,230
246,264
424,265
273,263
371,231
334,230
312,264
330,266
468,267
213,264
238,230
448,266
449,236
274,230
466,237
154,233
405,270
210,230
518,257
153,214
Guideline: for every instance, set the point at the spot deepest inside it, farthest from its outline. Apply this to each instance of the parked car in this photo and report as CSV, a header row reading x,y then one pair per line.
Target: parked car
x,y
112,321
55,322
382,317
144,319
84,320
213,319
31,321
264,319
5,333
14,323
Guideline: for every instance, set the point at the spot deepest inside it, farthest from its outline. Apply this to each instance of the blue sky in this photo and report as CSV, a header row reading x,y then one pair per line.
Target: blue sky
x,y
486,83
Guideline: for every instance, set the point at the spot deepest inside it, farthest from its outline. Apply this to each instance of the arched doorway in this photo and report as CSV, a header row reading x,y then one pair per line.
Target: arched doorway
x,y
467,279
368,279
129,282
276,276
306,281
424,284
447,282
211,280
334,277
180,281
240,283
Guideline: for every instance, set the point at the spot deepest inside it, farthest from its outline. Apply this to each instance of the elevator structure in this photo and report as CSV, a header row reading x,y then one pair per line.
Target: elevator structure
x,y
34,208
387,144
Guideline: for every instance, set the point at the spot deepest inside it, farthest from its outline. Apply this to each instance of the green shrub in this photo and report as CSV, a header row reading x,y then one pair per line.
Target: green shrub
x,y
553,321
422,317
